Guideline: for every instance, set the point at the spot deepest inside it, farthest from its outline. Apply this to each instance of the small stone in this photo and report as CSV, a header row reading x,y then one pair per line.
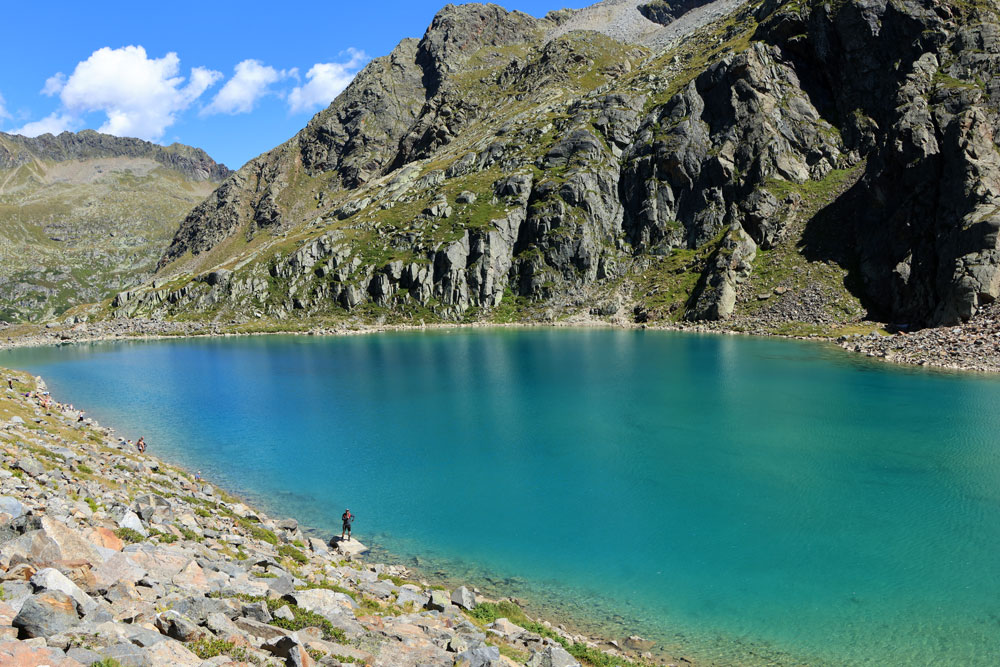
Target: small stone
x,y
285,613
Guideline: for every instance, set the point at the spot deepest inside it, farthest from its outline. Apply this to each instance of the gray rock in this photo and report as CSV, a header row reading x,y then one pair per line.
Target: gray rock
x,y
284,613
257,611
130,520
552,656
47,613
174,625
128,655
484,656
50,579
438,600
83,656
30,466
463,597
11,506
419,599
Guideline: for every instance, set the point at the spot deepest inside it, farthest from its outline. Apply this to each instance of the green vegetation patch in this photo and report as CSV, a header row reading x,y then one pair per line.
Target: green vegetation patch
x,y
309,619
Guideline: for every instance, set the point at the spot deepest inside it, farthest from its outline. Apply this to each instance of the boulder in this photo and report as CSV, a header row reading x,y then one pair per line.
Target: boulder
x,y
178,627
284,613
505,628
483,656
419,599
11,506
552,656
127,654
23,654
30,466
118,569
289,650
172,654
104,538
51,579
258,629
463,597
131,520
257,611
438,600
348,547
47,613
288,524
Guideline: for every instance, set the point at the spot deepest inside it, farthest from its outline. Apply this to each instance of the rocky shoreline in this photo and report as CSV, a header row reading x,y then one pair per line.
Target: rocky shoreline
x,y
109,557
971,346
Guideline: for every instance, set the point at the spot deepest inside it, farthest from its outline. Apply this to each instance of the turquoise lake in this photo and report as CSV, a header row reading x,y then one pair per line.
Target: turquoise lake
x,y
740,500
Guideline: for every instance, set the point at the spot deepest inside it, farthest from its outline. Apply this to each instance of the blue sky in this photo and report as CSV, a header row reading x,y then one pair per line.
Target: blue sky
x,y
233,78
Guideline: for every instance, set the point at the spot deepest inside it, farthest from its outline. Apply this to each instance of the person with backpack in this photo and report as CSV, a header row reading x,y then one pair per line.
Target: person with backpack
x,y
346,518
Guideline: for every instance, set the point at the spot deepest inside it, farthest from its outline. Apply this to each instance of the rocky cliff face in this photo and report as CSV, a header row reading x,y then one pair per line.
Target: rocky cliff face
x,y
822,162
85,215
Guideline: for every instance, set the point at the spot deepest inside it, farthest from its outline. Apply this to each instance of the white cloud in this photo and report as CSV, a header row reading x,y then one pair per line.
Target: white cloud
x,y
141,96
54,84
324,81
51,124
3,109
250,83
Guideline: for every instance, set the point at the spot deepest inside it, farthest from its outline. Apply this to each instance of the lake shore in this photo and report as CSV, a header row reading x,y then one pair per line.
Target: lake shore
x,y
112,553
970,346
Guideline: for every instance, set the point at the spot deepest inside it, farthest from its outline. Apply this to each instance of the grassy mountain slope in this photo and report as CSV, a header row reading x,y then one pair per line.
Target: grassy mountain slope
x,y
84,216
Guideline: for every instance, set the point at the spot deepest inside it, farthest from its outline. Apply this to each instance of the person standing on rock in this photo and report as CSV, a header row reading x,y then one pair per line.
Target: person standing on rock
x,y
346,518
141,445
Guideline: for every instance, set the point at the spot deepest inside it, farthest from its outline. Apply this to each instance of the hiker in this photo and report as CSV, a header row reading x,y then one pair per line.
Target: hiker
x,y
346,518
141,445
197,476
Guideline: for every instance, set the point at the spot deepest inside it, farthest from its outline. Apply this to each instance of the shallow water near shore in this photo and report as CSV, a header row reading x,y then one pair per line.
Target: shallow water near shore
x,y
740,500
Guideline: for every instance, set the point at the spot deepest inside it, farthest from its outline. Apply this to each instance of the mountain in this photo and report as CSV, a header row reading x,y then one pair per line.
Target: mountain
x,y
83,216
786,164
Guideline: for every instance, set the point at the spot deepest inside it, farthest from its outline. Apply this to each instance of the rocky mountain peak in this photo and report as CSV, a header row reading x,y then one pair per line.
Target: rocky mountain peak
x,y
760,160
194,163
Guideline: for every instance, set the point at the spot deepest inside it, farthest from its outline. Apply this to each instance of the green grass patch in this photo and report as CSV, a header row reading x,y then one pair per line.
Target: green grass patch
x,y
308,619
129,535
187,533
485,613
288,551
85,469
257,531
207,648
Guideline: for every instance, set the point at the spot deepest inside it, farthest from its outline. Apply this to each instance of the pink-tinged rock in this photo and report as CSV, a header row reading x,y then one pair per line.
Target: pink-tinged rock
x,y
192,577
162,562
7,613
20,654
170,653
72,545
20,572
119,568
104,537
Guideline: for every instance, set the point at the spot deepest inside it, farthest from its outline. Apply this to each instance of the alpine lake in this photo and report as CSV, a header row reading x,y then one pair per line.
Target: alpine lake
x,y
738,500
